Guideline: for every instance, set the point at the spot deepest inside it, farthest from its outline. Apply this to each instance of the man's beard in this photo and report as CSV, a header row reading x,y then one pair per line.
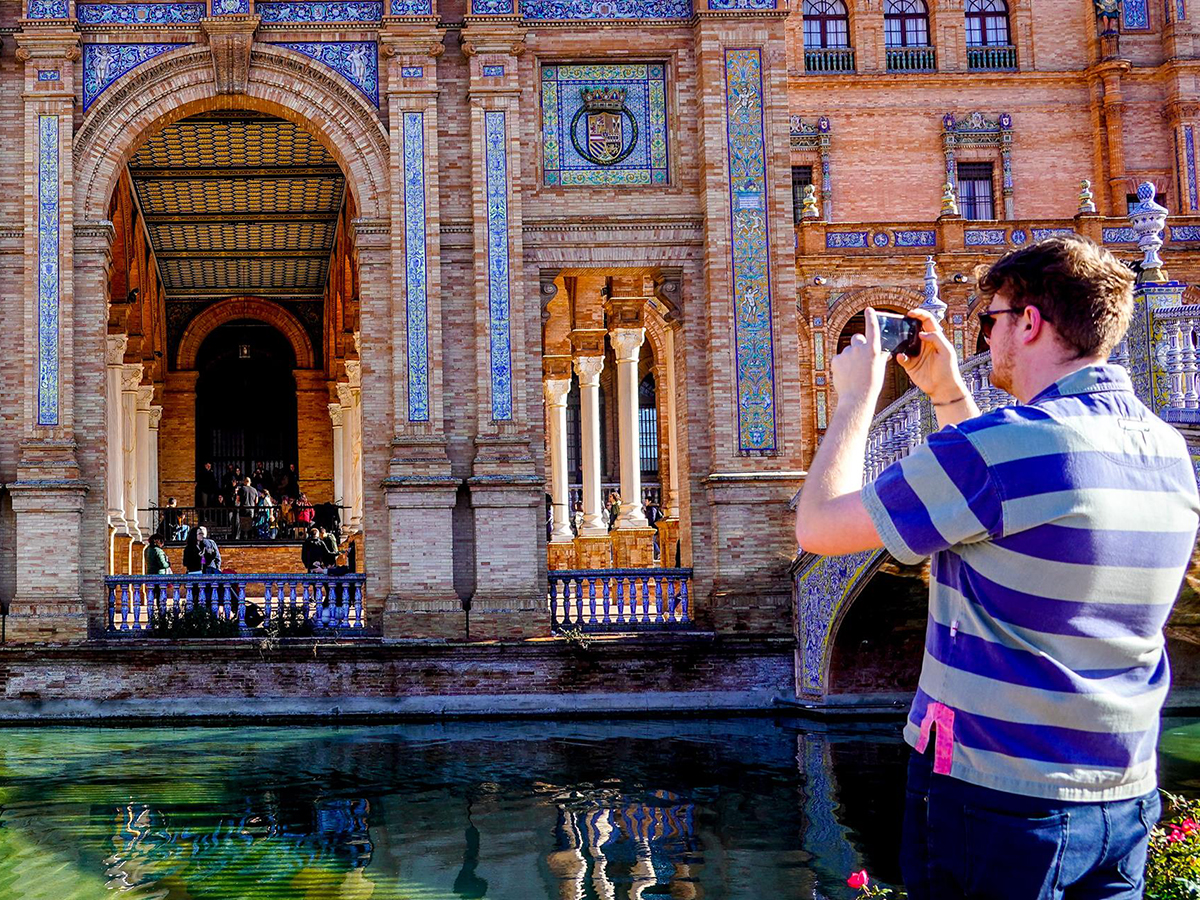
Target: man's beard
x,y
1001,372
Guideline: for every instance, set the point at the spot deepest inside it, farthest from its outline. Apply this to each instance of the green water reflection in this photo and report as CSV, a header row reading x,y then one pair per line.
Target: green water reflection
x,y
686,809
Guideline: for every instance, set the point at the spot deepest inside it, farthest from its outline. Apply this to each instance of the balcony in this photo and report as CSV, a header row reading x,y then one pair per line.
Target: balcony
x,y
992,59
829,59
620,599
911,59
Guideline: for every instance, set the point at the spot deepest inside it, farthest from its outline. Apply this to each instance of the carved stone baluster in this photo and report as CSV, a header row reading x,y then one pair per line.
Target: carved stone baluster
x,y
1189,361
1175,365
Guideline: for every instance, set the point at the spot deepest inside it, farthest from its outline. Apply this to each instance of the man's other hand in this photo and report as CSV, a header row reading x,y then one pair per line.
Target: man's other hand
x,y
858,370
935,370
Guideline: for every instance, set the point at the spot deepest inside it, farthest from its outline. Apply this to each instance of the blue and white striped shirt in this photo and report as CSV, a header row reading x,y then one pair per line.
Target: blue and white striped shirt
x,y
1060,531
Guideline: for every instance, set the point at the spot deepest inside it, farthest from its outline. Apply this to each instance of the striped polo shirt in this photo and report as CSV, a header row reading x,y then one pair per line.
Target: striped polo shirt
x,y
1060,531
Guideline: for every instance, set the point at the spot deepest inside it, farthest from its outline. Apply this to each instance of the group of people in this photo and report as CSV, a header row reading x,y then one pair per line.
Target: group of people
x,y
247,505
612,510
201,555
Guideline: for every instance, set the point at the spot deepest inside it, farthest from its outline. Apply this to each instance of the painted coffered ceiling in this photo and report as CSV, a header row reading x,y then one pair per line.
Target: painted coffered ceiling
x,y
238,203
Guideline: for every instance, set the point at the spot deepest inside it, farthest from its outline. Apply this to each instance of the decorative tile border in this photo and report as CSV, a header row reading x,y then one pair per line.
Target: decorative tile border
x,y
411,7
1189,143
140,13
231,7
921,238
643,120
1135,15
1185,232
356,61
1040,234
49,75
317,11
48,9
984,237
105,63
412,71
493,71
842,240
492,7
47,271
750,239
741,4
1121,235
416,279
499,341
604,9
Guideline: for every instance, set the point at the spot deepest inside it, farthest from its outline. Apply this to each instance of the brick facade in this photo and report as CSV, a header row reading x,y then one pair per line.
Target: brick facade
x,y
453,499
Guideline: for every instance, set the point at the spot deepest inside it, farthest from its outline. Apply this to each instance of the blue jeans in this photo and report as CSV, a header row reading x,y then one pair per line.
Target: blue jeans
x,y
965,841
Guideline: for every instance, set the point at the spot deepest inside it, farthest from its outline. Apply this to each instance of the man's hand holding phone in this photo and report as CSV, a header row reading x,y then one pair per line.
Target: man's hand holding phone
x,y
934,369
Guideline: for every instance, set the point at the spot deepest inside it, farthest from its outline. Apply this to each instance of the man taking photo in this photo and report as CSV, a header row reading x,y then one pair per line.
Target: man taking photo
x,y
1060,530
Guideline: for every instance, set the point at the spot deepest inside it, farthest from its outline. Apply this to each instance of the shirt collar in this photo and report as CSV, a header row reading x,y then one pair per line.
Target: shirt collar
x,y
1088,380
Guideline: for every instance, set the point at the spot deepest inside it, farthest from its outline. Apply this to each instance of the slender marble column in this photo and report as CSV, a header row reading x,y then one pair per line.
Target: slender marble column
x,y
672,505
115,482
145,394
588,369
556,414
627,342
153,492
339,481
131,377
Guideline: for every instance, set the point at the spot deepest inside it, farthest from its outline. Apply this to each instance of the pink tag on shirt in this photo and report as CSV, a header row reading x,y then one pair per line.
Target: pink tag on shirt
x,y
943,743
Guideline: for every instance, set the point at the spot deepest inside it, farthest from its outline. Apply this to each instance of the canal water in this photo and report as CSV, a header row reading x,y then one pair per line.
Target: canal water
x,y
729,808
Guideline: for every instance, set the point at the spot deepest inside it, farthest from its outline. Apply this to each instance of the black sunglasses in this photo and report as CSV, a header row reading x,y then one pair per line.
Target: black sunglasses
x,y
987,320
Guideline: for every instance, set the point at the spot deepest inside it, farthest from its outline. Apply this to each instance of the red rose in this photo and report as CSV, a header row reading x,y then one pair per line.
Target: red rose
x,y
858,880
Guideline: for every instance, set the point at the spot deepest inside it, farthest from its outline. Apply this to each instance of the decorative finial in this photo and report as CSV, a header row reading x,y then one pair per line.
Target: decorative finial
x,y
932,302
1148,219
810,210
1087,200
949,201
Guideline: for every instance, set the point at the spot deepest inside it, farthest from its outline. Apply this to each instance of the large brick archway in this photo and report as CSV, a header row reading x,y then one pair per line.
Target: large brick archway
x,y
237,308
181,83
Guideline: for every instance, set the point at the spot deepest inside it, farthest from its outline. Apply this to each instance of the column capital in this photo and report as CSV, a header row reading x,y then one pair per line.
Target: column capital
x,y
335,413
627,342
354,371
145,393
588,369
345,393
114,349
155,416
131,377
556,390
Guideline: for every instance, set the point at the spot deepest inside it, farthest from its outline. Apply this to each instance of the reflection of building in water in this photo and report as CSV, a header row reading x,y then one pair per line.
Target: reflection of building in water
x,y
626,851
150,843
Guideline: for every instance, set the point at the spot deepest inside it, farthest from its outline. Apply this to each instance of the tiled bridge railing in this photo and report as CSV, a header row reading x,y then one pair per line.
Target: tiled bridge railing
x,y
620,599
324,600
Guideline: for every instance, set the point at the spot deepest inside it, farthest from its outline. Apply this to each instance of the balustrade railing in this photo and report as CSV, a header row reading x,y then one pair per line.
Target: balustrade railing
x,y
992,59
1176,348
620,599
911,59
237,524
136,602
829,59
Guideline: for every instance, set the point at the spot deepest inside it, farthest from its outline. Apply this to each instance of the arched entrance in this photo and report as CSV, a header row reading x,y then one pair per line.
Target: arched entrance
x,y
246,401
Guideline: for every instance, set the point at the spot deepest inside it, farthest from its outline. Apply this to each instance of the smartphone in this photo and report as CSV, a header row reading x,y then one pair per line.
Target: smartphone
x,y
899,334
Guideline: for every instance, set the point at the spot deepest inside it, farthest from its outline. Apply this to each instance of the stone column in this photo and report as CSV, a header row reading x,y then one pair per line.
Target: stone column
x,y
627,344
339,457
351,457
130,380
593,550
145,393
154,491
115,480
556,390
668,525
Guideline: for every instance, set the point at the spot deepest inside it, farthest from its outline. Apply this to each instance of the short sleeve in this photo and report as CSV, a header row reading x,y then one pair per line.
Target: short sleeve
x,y
939,495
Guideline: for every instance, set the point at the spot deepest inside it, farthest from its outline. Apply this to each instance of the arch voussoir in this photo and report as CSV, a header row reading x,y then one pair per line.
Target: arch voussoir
x,y
236,309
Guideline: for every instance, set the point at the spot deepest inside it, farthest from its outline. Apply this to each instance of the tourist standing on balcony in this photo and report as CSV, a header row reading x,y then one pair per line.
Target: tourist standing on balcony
x,y
315,553
210,556
207,487
247,500
156,557
1060,529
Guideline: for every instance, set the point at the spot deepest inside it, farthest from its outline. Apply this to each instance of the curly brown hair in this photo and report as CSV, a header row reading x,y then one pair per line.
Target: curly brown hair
x,y
1080,288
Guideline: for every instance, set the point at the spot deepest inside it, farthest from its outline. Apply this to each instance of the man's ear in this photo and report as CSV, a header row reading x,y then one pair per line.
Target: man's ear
x,y
1032,324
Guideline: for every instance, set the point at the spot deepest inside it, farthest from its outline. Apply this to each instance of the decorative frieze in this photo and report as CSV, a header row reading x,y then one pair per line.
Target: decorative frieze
x,y
983,237
319,11
600,9
604,124
412,71
1185,232
356,61
140,13
741,4
750,242
47,271
230,7
916,238
412,7
493,71
48,9
1123,235
1040,234
499,338
843,240
416,285
105,63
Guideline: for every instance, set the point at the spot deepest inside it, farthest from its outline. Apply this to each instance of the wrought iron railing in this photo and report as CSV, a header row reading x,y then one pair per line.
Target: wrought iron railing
x,y
911,59
620,599
829,59
135,602
650,491
233,524
992,59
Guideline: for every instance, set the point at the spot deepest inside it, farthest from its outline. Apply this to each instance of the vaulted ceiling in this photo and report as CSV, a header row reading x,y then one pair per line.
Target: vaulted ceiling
x,y
238,203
